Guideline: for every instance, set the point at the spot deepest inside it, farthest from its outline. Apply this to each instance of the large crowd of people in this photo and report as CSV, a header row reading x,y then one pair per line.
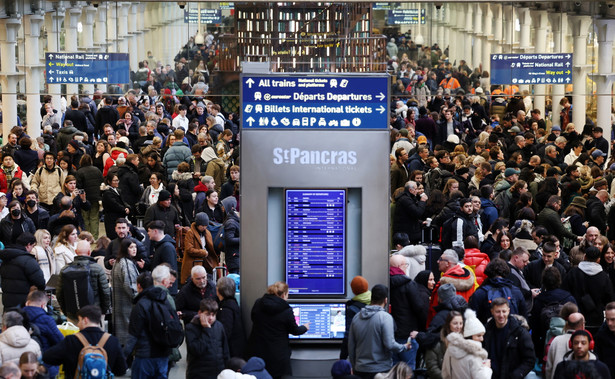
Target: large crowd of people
x,y
502,262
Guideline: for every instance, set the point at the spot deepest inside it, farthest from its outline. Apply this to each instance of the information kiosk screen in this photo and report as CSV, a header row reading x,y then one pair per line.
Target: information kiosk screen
x,y
327,321
315,242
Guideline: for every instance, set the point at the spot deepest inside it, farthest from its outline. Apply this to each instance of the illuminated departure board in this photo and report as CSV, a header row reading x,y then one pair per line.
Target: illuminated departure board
x,y
315,242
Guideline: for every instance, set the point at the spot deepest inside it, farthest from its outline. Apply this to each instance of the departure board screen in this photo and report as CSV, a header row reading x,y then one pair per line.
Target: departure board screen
x,y
327,321
315,242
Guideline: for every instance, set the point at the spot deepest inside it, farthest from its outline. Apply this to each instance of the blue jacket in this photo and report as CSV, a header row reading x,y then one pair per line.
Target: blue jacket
x,y
255,366
489,213
50,334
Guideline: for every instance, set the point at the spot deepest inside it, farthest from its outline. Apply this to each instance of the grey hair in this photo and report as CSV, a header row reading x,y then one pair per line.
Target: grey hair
x,y
12,319
226,287
160,273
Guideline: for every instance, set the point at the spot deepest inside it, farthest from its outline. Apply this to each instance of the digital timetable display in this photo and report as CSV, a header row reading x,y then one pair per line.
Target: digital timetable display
x,y
327,321
315,242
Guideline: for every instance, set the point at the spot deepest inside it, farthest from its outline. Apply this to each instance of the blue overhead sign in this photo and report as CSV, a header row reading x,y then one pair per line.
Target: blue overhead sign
x,y
87,68
406,16
531,68
315,102
208,16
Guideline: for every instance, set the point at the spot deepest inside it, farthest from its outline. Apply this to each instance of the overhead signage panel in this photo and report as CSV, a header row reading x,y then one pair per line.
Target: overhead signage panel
x,y
531,68
87,68
406,16
315,102
208,16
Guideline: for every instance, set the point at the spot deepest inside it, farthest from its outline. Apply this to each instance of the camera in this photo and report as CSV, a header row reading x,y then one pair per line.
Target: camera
x,y
80,191
182,4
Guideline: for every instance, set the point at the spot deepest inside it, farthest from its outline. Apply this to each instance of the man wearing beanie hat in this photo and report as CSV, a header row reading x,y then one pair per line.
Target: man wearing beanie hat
x,y
407,308
362,297
465,357
198,247
232,231
462,175
164,212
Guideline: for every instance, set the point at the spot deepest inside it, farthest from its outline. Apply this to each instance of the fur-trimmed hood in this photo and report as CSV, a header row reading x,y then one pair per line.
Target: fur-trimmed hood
x,y
460,277
417,252
177,176
459,347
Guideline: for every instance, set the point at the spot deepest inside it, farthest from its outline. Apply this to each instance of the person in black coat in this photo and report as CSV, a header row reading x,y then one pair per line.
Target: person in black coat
x,y
551,294
206,343
114,206
508,343
595,212
77,117
591,288
15,223
409,208
67,351
533,271
26,158
605,340
19,271
162,249
129,180
229,315
198,288
164,212
273,320
232,230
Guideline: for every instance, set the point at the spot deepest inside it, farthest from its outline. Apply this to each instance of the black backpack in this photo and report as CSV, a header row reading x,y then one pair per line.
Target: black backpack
x,y
76,288
165,327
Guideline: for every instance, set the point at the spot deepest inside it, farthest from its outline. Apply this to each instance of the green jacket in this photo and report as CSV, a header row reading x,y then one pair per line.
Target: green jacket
x,y
551,220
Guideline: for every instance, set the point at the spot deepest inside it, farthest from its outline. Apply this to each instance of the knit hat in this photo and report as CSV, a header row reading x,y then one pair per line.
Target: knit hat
x,y
404,132
472,325
201,219
510,172
446,292
579,201
422,277
462,170
359,285
164,195
200,105
556,128
74,144
341,368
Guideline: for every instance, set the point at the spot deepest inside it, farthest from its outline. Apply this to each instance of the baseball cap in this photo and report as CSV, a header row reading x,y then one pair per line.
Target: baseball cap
x,y
510,172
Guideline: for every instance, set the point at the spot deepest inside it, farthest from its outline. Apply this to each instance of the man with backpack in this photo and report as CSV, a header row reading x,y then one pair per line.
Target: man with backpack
x,y
69,351
155,329
48,181
83,282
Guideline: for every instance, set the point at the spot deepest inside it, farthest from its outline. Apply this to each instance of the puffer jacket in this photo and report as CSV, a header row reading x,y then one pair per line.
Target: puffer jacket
x,y
6,227
461,278
50,334
47,183
90,178
15,341
64,137
464,358
207,349
478,261
416,257
19,272
178,152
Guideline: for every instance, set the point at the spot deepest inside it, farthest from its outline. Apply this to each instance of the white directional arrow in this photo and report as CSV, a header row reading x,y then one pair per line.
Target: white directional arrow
x,y
567,80
381,96
381,109
51,72
568,64
568,56
250,121
51,79
249,82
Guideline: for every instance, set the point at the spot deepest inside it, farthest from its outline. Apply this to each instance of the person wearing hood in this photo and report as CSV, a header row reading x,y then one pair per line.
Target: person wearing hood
x,y
147,355
408,312
497,270
273,320
206,343
198,247
19,271
232,232
591,288
415,255
465,356
15,224
163,247
392,48
215,166
371,340
362,297
15,339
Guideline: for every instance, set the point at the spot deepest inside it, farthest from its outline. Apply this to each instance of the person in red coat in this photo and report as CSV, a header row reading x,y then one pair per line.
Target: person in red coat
x,y
475,259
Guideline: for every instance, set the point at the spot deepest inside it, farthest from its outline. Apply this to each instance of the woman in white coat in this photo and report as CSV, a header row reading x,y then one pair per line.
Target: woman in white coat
x,y
465,356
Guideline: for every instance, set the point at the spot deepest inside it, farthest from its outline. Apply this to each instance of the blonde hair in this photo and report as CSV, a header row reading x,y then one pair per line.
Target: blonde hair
x,y
278,288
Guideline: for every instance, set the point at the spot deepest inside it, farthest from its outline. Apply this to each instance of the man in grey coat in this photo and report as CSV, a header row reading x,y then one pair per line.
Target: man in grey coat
x,y
371,341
